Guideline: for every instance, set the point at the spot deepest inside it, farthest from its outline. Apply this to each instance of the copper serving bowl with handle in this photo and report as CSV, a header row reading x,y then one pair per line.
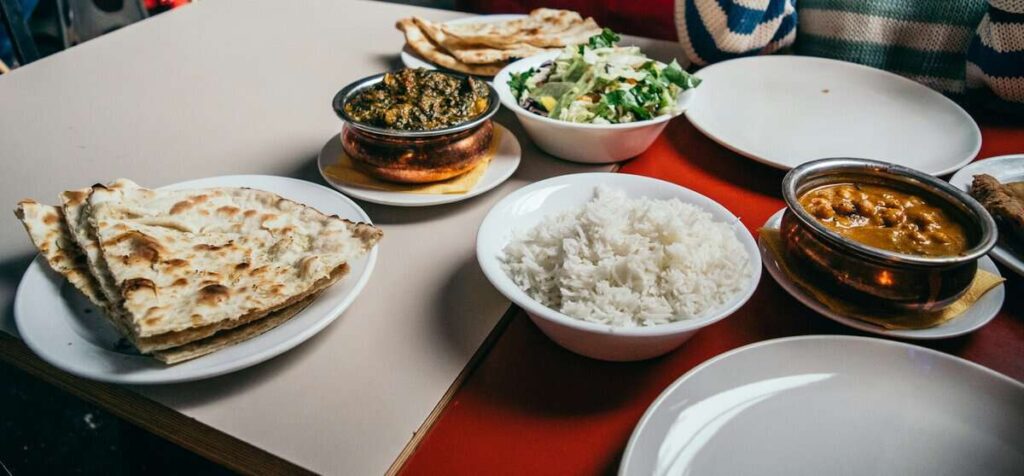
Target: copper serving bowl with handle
x,y
874,277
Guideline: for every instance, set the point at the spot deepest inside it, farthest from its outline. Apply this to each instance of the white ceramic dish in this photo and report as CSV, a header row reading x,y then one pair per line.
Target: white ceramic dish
x,y
588,143
1007,168
529,205
786,110
62,328
836,405
981,313
503,165
412,60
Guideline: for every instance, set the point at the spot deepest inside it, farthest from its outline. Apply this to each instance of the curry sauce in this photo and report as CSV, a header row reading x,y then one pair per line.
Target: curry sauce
x,y
886,218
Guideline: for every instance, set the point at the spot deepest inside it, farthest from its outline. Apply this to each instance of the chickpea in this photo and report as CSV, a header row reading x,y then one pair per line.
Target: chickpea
x,y
845,192
941,237
821,208
921,217
866,208
892,216
918,237
845,207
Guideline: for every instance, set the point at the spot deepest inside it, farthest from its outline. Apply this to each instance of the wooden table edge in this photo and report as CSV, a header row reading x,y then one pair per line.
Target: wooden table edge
x,y
204,440
151,416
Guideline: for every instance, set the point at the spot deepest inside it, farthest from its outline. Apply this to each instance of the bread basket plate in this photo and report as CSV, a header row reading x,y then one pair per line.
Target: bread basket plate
x,y
974,318
1006,168
62,328
504,163
411,60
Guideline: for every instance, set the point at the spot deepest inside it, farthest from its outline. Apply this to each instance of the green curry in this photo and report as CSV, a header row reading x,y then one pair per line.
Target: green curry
x,y
419,100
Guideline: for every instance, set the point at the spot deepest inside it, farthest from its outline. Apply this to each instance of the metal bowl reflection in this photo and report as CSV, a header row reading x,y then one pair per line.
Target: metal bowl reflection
x,y
873,277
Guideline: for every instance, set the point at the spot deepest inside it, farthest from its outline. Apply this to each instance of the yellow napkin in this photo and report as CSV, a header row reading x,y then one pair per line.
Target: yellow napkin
x,y
983,283
344,171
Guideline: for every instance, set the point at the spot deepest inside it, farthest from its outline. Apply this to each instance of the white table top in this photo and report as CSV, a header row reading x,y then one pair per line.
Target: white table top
x,y
220,88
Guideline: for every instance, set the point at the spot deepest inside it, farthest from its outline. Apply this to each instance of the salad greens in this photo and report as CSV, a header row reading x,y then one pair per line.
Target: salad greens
x,y
602,83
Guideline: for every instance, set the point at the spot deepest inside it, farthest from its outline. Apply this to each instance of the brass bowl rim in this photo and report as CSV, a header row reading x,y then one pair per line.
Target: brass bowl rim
x,y
909,178
343,96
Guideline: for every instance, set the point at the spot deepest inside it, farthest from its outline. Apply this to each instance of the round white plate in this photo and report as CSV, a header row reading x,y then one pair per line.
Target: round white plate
x,y
411,60
787,110
1006,168
836,405
983,311
502,166
62,328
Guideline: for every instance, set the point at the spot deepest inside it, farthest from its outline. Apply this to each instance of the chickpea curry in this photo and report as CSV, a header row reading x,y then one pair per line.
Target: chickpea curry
x,y
420,100
886,218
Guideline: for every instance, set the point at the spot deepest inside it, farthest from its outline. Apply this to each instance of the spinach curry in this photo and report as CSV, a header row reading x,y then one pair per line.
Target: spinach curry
x,y
419,100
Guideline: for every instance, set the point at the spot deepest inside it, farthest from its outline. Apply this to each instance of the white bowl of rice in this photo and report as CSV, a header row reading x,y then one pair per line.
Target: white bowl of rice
x,y
618,267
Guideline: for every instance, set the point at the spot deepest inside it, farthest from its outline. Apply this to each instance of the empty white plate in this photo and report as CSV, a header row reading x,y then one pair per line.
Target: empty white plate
x,y
981,313
1007,168
832,405
412,60
502,166
787,110
64,329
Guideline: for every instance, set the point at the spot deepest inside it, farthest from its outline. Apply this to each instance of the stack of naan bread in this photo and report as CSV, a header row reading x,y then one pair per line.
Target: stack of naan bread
x,y
484,48
182,273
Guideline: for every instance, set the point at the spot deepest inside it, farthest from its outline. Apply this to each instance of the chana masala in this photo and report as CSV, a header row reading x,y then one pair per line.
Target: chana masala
x,y
886,218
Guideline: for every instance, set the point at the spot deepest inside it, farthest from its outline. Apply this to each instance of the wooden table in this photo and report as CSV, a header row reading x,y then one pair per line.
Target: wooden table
x,y
219,88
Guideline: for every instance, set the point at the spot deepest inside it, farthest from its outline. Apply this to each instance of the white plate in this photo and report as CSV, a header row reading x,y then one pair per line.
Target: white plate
x,y
502,166
983,311
832,405
62,328
412,60
1006,168
787,110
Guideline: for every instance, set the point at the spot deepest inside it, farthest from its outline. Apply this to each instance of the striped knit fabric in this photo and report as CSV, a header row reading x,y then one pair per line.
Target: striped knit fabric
x,y
959,47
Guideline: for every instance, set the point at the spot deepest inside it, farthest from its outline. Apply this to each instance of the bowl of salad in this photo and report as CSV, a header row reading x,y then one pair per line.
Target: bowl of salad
x,y
597,102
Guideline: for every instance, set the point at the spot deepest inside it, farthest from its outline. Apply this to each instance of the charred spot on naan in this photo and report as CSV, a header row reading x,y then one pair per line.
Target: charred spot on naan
x,y
213,294
136,285
188,203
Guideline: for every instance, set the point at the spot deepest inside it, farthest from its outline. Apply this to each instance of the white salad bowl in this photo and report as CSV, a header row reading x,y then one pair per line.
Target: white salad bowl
x,y
529,205
588,143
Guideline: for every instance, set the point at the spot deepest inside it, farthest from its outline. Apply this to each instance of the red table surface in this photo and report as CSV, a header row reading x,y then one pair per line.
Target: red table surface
x,y
532,407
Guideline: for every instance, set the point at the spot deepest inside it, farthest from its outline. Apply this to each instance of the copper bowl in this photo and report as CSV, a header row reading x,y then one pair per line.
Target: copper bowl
x,y
416,159
873,277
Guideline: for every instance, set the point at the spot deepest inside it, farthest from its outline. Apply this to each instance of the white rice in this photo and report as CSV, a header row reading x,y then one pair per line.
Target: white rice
x,y
629,262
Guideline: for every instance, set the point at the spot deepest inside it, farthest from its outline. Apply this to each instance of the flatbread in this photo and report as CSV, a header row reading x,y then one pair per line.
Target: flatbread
x,y
231,337
544,28
75,204
421,45
187,259
47,229
474,55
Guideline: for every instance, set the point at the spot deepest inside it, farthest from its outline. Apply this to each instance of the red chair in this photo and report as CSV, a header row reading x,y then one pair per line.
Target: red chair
x,y
650,18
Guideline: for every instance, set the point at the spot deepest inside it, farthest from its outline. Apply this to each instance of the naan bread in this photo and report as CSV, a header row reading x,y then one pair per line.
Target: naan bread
x,y
544,28
231,337
421,45
474,55
48,230
186,259
75,204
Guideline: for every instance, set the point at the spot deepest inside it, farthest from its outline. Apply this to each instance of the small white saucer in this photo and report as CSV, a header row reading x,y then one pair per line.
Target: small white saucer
x,y
971,320
502,166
